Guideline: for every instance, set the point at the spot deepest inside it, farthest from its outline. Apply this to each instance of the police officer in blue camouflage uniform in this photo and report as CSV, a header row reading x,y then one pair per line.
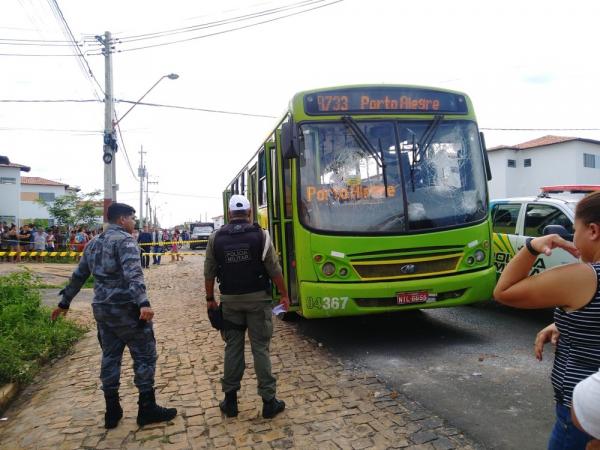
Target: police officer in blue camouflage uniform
x,y
122,312
242,258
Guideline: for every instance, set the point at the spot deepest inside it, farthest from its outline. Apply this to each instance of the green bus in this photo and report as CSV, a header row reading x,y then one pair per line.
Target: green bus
x,y
376,200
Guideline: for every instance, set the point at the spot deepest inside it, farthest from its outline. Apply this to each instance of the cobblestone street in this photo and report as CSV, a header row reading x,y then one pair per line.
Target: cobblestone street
x,y
329,405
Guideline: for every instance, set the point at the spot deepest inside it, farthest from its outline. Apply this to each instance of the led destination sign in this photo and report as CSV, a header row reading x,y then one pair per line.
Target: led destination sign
x,y
384,100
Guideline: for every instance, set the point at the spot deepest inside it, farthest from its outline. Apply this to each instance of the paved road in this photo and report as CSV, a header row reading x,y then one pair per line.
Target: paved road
x,y
472,365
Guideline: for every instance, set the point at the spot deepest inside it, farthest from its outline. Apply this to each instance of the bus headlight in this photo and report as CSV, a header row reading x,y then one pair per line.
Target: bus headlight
x,y
470,260
328,269
479,255
343,272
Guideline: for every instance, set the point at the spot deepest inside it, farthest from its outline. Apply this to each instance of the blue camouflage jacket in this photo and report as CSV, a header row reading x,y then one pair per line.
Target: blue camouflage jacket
x,y
113,258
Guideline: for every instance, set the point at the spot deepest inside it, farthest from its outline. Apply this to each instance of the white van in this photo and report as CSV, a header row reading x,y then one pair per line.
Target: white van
x,y
516,219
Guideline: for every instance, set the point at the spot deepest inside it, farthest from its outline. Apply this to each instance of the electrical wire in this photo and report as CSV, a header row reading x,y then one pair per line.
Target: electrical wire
x,y
81,58
215,23
540,129
124,149
191,108
51,101
223,31
57,130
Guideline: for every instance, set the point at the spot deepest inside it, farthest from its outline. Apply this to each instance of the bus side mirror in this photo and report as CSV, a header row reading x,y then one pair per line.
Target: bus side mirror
x,y
488,170
288,141
558,229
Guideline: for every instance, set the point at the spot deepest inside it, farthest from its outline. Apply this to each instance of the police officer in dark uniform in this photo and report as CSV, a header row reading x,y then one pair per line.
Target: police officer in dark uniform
x,y
242,258
122,312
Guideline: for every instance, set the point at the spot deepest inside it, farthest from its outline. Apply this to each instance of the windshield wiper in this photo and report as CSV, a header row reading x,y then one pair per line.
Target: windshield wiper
x,y
421,147
366,146
426,139
362,140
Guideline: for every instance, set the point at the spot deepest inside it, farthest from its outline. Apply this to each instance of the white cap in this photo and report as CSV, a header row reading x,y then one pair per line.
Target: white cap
x,y
238,203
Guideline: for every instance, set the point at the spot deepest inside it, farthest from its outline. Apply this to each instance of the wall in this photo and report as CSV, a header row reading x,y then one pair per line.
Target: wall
x,y
10,194
30,209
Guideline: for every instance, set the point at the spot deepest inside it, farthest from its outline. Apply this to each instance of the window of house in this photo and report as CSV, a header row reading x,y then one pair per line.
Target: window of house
x,y
8,180
47,196
527,162
589,160
512,163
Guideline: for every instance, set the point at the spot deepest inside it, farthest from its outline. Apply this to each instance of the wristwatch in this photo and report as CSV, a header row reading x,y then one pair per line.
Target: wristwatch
x,y
530,248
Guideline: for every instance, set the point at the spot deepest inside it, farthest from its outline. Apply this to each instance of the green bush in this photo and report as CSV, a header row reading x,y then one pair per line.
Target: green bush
x,y
27,335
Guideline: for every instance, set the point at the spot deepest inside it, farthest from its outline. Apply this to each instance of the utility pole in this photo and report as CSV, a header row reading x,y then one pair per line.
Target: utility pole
x,y
142,175
148,207
110,143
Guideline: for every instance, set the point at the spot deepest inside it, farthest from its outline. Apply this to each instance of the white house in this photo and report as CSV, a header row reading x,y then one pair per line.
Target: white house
x,y
34,189
10,190
520,170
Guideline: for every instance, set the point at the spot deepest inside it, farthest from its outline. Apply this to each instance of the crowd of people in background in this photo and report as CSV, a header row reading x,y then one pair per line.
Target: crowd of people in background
x,y
37,238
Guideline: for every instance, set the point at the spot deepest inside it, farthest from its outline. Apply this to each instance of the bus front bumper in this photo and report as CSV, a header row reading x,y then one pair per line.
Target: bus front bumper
x,y
321,300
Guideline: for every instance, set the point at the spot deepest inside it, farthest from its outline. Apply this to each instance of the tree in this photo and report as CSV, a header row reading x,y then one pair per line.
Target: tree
x,y
75,209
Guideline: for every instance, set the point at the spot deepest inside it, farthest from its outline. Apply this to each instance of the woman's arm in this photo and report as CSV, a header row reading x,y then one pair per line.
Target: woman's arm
x,y
570,286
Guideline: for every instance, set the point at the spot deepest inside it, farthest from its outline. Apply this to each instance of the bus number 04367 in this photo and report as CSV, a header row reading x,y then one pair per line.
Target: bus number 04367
x,y
326,302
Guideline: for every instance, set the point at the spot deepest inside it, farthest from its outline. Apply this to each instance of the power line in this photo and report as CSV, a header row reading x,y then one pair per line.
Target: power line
x,y
191,108
40,54
540,129
176,194
225,31
124,149
51,101
216,22
34,40
81,58
57,130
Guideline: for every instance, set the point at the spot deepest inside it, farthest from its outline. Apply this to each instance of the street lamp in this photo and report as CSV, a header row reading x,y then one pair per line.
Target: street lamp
x,y
171,76
110,177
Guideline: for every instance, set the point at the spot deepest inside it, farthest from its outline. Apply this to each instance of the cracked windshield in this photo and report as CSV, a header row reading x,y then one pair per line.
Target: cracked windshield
x,y
359,177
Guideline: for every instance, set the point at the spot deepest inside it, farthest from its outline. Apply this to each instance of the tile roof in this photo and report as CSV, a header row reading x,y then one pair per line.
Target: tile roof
x,y
41,181
541,142
5,162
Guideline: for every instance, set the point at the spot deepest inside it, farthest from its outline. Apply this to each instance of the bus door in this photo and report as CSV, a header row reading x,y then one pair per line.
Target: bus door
x,y
252,192
286,226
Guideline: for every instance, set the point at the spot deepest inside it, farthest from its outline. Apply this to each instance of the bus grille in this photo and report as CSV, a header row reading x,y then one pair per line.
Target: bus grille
x,y
407,268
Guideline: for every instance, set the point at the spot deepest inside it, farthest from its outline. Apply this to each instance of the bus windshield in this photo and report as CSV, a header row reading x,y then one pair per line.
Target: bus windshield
x,y
410,175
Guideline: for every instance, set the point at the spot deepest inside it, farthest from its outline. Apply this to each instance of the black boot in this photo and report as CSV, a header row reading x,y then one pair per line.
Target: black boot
x,y
114,412
272,407
150,412
229,405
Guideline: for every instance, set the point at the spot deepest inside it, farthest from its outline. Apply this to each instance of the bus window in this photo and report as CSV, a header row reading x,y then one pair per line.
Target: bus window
x,y
275,176
262,179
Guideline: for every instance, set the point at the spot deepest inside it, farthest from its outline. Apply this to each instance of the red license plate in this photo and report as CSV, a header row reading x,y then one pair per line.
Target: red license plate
x,y
405,298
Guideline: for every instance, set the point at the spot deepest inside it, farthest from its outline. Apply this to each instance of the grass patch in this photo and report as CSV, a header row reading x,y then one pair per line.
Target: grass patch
x,y
28,337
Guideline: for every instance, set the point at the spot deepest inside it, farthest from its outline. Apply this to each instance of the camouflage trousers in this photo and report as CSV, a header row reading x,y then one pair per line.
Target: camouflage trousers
x,y
119,326
256,315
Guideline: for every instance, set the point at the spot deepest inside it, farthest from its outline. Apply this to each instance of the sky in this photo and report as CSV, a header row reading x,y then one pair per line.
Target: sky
x,y
530,68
